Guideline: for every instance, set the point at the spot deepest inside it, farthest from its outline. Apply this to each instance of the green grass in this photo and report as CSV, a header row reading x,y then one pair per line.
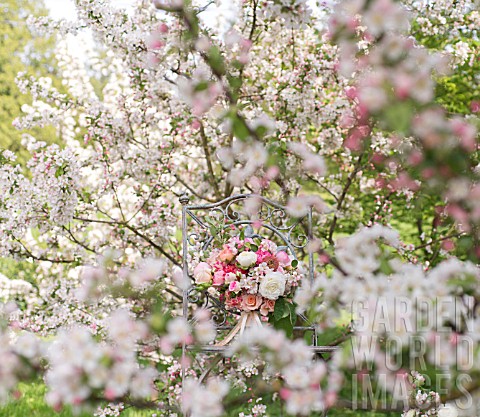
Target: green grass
x,y
354,413
32,404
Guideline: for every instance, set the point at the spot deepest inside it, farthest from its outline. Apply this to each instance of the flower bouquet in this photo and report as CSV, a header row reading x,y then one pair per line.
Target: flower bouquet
x,y
253,277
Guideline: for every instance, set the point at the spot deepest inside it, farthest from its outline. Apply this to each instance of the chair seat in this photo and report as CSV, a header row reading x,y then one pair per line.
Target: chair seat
x,y
220,349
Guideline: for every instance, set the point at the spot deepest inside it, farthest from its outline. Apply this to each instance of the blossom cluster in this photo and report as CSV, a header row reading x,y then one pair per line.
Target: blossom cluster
x,y
19,290
425,402
81,368
301,377
20,354
394,75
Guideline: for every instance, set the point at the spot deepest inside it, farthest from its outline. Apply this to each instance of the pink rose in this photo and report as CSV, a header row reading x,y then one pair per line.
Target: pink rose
x,y
202,273
218,278
283,258
251,302
234,286
267,307
226,255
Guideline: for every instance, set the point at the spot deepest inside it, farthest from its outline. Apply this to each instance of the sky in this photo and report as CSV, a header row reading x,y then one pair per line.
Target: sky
x,y
65,8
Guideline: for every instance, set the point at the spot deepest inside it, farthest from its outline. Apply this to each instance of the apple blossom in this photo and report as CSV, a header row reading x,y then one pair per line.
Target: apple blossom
x,y
345,125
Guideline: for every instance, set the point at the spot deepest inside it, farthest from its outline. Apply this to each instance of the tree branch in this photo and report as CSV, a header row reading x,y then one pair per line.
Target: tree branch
x,y
341,199
213,180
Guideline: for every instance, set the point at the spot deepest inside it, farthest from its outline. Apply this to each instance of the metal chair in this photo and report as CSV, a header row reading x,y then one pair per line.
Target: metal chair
x,y
199,224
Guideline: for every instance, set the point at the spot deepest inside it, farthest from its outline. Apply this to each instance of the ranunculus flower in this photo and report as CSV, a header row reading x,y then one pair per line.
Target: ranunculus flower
x,y
272,285
272,262
226,255
246,259
202,273
218,278
251,302
283,258
267,307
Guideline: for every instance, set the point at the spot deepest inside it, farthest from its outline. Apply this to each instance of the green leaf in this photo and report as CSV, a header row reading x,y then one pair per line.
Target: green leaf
x,y
203,286
215,60
213,231
209,220
398,117
385,266
284,324
159,319
294,263
261,131
202,86
60,171
240,130
293,314
253,247
281,310
235,82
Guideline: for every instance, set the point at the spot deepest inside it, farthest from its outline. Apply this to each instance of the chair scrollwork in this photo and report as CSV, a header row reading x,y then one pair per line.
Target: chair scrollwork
x,y
268,220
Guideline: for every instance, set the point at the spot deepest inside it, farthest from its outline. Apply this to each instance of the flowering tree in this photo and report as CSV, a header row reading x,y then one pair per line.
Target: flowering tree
x,y
338,109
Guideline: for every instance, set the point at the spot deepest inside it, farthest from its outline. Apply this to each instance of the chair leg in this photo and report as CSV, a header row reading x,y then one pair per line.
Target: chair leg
x,y
209,368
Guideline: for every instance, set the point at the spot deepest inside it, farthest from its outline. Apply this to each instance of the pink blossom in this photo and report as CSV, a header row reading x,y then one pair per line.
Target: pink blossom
x,y
353,141
218,278
272,172
415,158
403,85
110,394
196,124
475,106
405,182
448,245
285,393
163,28
351,92
467,134
330,398
458,213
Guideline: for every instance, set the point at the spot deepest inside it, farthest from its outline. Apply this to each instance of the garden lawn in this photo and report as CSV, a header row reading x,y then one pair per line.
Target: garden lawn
x,y
32,404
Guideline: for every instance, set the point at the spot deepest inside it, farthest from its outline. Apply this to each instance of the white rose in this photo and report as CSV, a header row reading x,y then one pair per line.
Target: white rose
x,y
272,285
246,259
